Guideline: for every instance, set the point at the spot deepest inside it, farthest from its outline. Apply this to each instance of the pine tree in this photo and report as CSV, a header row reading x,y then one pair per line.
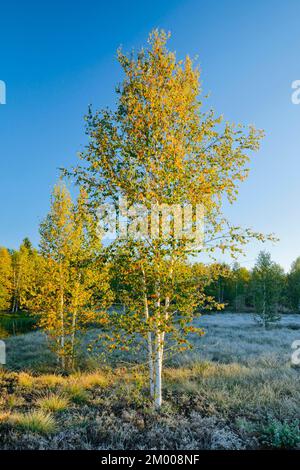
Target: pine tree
x,y
293,286
267,282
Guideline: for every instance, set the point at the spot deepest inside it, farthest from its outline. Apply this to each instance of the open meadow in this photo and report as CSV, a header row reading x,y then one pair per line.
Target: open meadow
x,y
236,389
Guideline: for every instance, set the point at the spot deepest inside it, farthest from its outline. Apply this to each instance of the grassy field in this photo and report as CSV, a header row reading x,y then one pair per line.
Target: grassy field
x,y
237,389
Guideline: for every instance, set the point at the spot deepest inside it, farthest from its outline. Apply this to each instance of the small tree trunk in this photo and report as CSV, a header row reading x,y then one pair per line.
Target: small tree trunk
x,y
149,338
74,319
159,347
150,364
158,370
14,304
15,293
158,354
264,307
62,337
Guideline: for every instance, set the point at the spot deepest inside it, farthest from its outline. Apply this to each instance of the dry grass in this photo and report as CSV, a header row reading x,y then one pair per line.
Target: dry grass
x,y
91,380
76,392
237,389
14,401
53,403
34,421
4,417
205,369
199,402
50,381
25,380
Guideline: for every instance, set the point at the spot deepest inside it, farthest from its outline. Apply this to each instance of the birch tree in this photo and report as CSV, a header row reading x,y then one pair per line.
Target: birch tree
x,y
24,267
6,279
158,149
74,284
158,300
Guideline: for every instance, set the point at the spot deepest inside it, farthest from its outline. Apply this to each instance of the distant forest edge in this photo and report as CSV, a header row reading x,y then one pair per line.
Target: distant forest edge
x,y
236,288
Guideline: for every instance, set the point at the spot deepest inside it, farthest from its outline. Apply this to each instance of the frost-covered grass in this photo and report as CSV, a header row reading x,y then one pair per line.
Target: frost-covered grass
x,y
236,389
231,337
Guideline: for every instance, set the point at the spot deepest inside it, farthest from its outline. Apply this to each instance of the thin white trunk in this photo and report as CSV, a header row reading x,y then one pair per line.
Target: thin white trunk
x,y
158,356
149,338
62,336
159,345
158,370
74,320
150,363
159,352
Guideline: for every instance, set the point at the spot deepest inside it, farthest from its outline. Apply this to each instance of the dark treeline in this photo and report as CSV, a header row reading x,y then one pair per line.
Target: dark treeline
x,y
265,288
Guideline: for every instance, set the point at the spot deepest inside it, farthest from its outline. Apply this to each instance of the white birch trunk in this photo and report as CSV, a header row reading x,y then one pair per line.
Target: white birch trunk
x,y
62,337
149,339
150,363
159,347
74,320
158,355
158,370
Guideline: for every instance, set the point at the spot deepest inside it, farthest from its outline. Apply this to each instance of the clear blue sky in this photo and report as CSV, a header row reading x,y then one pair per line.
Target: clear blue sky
x,y
59,56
